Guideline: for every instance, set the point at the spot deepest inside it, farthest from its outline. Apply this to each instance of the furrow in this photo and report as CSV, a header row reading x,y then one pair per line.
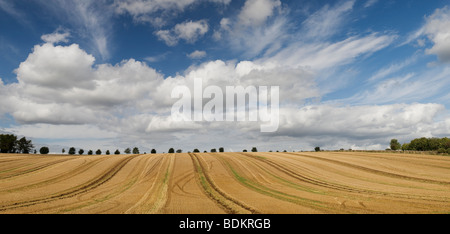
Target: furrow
x,y
227,203
106,176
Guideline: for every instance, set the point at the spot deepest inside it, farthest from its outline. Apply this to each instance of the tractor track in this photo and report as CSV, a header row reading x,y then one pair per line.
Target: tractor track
x,y
306,179
106,176
374,171
215,193
343,188
31,170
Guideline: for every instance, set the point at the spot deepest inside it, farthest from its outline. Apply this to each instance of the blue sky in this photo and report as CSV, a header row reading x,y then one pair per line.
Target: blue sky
x,y
352,73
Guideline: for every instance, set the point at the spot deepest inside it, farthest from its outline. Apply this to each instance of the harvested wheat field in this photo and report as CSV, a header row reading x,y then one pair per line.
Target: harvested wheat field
x,y
218,183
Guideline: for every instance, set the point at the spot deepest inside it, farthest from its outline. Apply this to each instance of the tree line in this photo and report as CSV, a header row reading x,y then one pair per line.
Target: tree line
x,y
441,145
10,144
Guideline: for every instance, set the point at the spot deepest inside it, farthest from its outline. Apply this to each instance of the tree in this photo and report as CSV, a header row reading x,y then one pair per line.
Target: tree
x,y
8,143
72,151
221,149
445,143
419,144
108,153
117,152
395,145
90,152
405,146
317,149
179,151
254,149
127,151
213,150
171,151
244,150
24,146
63,151
153,151
81,151
196,151
135,150
98,152
44,150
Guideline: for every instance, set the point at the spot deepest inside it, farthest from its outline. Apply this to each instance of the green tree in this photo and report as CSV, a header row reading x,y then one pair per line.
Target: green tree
x,y
153,151
419,144
44,150
254,149
171,151
117,152
81,151
442,151
90,152
8,143
135,150
434,143
127,151
179,151
317,149
196,151
24,146
108,153
213,151
405,146
445,143
221,149
395,145
63,151
72,151
98,152
244,150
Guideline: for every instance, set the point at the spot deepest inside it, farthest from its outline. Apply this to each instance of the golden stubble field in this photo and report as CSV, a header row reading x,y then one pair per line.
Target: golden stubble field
x,y
233,183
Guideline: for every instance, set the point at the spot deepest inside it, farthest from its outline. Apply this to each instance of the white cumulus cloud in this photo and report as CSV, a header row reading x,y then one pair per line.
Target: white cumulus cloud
x,y
197,54
56,37
189,31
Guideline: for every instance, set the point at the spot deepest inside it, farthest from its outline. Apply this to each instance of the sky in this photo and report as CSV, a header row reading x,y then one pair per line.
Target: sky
x,y
98,74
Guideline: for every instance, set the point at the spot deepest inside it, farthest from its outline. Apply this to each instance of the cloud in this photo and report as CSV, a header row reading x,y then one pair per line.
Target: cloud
x,y
168,37
260,27
326,21
60,85
157,58
56,37
407,88
89,19
359,127
437,29
189,31
57,67
370,3
197,54
393,68
156,12
324,55
256,12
